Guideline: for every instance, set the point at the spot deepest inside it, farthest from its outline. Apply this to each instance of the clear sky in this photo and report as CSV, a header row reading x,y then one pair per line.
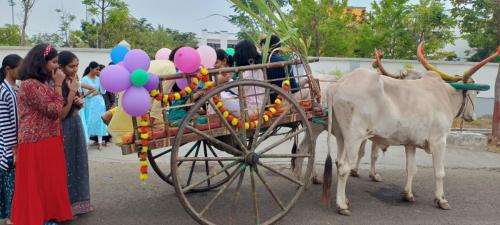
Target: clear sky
x,y
183,15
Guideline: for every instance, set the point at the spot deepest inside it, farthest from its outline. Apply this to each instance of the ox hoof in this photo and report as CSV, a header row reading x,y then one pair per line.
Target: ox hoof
x,y
376,177
442,204
354,173
408,197
344,212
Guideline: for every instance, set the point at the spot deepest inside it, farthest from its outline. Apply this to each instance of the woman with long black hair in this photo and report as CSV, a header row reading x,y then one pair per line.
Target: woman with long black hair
x,y
94,104
41,191
75,145
8,131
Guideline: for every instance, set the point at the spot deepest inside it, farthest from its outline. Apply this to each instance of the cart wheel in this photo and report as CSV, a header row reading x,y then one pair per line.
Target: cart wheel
x,y
159,160
266,188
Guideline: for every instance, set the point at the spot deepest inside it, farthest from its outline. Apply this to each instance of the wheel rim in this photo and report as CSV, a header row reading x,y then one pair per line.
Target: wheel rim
x,y
253,161
159,162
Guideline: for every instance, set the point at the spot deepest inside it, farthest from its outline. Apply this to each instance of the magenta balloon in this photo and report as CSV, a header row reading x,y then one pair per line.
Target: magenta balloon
x,y
115,78
136,101
187,59
208,56
153,82
163,54
136,59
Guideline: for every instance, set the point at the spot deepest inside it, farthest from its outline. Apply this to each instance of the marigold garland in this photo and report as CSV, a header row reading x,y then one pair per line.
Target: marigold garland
x,y
208,84
144,136
194,85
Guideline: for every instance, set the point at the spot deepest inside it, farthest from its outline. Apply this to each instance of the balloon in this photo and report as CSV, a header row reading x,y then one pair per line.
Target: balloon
x,y
136,101
162,67
230,51
118,53
208,56
153,82
136,59
121,64
115,78
181,83
163,54
139,78
187,59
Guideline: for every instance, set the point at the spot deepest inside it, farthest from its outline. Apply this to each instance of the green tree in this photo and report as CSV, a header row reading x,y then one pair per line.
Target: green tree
x,y
26,5
53,39
431,24
10,35
396,27
101,9
250,29
479,22
65,25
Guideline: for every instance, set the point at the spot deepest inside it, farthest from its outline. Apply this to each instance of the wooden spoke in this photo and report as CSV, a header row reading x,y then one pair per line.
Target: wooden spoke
x,y
207,169
233,176
228,166
270,129
282,174
209,159
228,126
268,148
261,112
254,194
236,197
284,156
275,197
163,153
220,163
192,166
230,149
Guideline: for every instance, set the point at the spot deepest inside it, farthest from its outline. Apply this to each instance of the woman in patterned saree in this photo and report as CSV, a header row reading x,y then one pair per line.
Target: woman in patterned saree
x,y
75,146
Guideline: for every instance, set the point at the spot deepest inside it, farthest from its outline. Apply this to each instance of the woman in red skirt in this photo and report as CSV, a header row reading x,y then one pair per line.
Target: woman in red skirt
x,y
40,193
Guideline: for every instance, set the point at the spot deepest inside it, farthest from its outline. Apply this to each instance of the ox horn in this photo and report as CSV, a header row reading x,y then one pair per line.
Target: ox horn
x,y
380,68
428,66
476,67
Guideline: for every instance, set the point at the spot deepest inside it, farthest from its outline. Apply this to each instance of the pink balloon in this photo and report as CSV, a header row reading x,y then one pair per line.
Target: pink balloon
x,y
136,59
208,56
163,54
187,59
136,101
115,78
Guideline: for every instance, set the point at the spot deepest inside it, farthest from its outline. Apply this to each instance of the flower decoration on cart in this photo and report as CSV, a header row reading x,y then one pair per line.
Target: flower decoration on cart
x,y
129,74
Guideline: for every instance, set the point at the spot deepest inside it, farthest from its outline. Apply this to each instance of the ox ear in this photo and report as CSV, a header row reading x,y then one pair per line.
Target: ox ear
x,y
470,86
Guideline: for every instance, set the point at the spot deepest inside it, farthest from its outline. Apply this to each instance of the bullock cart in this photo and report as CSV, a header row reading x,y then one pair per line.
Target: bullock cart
x,y
230,146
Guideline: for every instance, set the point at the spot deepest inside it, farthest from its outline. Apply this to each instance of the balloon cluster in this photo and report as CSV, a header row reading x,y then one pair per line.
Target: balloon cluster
x,y
130,74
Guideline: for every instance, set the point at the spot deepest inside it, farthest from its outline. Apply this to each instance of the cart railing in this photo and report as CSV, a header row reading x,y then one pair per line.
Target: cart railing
x,y
163,133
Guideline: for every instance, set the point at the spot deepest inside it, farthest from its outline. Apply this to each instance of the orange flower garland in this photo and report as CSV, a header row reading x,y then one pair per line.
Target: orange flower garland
x,y
207,84
144,136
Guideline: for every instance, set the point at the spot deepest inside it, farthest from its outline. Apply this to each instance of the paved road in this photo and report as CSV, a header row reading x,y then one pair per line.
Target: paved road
x,y
471,185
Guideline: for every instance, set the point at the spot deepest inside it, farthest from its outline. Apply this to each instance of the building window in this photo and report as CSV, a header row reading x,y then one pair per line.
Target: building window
x,y
214,45
230,45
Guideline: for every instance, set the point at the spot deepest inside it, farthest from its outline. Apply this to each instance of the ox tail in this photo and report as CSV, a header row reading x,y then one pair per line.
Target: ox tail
x,y
327,172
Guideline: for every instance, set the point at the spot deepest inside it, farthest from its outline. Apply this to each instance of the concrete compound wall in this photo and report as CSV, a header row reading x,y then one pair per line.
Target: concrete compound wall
x,y
326,65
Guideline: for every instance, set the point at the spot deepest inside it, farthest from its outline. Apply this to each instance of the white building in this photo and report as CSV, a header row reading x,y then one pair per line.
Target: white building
x,y
218,39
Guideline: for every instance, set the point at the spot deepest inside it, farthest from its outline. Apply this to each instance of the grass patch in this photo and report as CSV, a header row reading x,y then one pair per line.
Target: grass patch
x,y
483,123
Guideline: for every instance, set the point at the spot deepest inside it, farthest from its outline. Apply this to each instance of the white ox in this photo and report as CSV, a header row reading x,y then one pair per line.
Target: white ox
x,y
414,113
325,81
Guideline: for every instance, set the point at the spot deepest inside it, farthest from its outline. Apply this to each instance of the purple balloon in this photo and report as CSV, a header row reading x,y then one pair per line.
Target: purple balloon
x,y
136,59
187,59
181,83
136,101
115,78
153,82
